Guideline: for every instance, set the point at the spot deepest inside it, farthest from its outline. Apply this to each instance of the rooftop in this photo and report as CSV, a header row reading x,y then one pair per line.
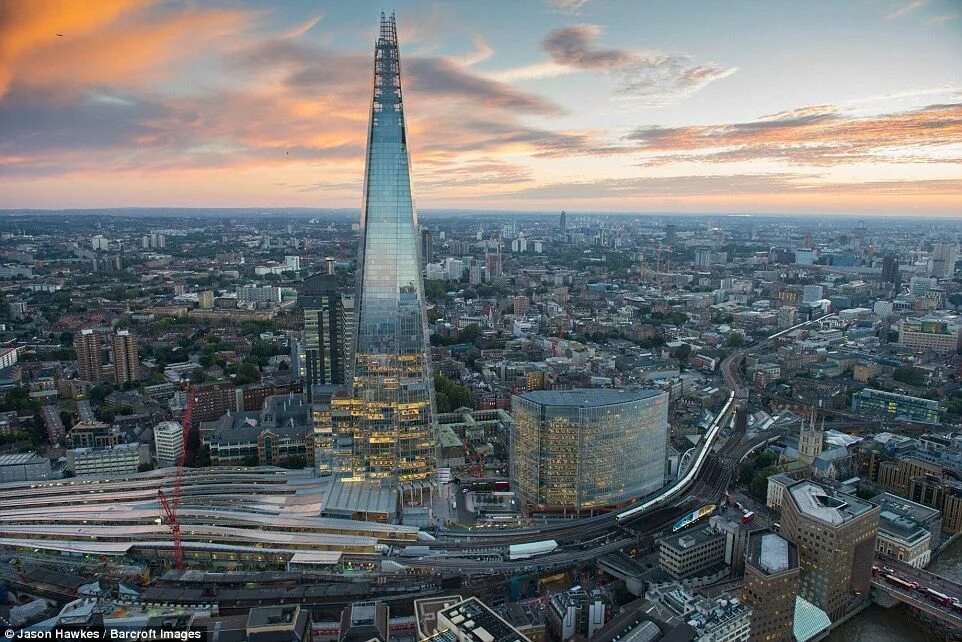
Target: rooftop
x,y
771,554
826,505
588,396
481,623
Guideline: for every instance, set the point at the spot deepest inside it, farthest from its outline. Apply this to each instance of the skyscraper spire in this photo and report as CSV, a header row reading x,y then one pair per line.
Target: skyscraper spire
x,y
393,437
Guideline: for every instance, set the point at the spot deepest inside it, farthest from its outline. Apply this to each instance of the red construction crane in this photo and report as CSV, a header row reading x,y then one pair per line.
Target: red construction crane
x,y
169,506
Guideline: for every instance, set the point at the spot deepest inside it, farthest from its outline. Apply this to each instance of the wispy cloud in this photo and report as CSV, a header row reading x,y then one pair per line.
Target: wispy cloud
x,y
940,19
820,135
568,6
907,9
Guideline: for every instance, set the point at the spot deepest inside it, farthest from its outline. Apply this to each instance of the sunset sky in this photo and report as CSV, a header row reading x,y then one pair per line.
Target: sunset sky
x,y
840,106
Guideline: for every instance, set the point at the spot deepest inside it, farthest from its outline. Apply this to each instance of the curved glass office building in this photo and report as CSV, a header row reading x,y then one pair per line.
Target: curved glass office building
x,y
590,448
393,432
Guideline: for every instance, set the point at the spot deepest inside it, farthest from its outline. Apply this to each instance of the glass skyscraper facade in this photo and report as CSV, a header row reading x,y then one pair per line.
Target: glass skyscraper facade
x,y
590,448
393,434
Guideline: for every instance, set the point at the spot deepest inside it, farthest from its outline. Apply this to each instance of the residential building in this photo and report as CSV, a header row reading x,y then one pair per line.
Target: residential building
x,y
90,359
835,534
126,358
324,357
205,300
771,586
588,448
212,400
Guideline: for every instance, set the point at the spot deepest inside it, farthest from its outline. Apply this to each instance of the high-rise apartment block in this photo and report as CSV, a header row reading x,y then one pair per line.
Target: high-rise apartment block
x,y
126,358
324,330
90,360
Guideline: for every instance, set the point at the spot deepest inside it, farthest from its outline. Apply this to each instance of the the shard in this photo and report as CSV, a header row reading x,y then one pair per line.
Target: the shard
x,y
393,435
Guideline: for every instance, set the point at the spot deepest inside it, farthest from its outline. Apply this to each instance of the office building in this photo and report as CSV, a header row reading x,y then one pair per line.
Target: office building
x,y
835,534
890,270
19,467
576,614
771,586
126,358
472,621
90,358
931,334
776,490
393,438
168,443
879,402
563,224
671,231
588,448
902,537
695,552
324,319
112,460
365,622
804,256
812,293
942,494
736,541
720,619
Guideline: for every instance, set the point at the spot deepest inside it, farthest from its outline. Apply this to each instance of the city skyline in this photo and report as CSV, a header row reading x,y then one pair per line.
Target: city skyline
x,y
590,105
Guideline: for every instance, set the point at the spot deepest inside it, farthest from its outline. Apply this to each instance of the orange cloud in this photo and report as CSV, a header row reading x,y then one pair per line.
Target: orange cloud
x,y
821,136
57,47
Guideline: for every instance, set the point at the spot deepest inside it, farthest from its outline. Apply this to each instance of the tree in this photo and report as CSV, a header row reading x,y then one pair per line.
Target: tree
x,y
911,376
682,352
759,483
247,373
735,340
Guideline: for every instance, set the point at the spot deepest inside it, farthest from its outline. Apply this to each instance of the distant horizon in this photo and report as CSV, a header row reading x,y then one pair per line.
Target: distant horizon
x,y
147,210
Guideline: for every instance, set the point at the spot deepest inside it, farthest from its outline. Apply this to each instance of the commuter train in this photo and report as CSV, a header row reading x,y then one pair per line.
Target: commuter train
x,y
682,484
